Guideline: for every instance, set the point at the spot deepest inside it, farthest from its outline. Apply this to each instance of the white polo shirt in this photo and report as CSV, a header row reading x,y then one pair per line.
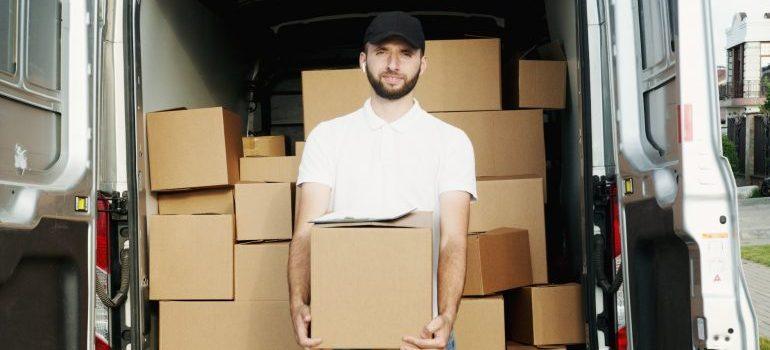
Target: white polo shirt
x,y
374,166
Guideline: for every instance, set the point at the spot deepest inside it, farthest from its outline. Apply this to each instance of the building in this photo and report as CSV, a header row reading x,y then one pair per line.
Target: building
x,y
748,64
748,61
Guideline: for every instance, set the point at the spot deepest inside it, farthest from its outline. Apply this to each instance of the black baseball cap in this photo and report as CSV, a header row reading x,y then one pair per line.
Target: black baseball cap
x,y
396,23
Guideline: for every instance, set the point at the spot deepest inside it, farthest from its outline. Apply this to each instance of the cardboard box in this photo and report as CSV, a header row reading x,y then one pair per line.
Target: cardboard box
x,y
546,315
191,257
371,282
514,202
178,157
263,211
497,260
480,324
462,75
298,148
505,143
260,271
270,169
205,201
512,345
264,146
205,325
543,82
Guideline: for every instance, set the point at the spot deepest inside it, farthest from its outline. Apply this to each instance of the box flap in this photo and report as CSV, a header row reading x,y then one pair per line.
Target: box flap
x,y
548,52
411,219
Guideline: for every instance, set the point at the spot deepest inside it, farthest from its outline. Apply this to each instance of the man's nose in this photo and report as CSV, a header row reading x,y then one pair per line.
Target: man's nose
x,y
394,62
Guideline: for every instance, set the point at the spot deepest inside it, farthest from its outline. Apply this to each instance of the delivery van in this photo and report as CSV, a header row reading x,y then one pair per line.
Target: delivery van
x,y
640,209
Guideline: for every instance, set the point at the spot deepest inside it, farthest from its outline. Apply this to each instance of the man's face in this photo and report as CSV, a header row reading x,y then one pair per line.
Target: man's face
x,y
393,67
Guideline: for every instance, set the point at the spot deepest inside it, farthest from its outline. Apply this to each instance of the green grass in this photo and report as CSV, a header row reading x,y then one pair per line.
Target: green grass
x,y
758,254
764,343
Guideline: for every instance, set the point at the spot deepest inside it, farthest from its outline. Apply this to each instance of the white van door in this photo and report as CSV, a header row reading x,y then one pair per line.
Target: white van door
x,y
48,50
684,286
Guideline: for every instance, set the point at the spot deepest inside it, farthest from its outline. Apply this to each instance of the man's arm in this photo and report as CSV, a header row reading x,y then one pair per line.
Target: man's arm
x,y
455,208
314,202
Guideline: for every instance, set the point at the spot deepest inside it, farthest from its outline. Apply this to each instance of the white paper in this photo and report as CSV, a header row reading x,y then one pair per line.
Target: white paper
x,y
362,216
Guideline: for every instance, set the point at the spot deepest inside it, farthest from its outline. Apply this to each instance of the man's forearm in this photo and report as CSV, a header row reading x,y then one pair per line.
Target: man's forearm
x,y
299,272
451,276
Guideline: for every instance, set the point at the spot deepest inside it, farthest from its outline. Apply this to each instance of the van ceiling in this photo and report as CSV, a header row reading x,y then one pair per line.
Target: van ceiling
x,y
326,33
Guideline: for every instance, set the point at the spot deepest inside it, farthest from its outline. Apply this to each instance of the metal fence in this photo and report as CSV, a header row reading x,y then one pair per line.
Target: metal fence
x,y
762,146
736,132
742,89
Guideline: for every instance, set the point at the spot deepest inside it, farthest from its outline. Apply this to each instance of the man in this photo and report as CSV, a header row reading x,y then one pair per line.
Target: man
x,y
389,154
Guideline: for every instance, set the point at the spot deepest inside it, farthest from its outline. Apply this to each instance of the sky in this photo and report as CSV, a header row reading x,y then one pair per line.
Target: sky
x,y
722,16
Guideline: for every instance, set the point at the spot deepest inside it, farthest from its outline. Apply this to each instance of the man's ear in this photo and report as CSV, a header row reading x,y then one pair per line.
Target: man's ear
x,y
423,64
362,61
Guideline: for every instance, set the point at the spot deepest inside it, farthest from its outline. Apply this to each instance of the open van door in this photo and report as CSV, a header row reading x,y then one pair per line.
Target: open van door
x,y
48,55
684,286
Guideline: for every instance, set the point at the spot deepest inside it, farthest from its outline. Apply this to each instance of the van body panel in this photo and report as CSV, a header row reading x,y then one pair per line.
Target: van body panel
x,y
48,114
676,192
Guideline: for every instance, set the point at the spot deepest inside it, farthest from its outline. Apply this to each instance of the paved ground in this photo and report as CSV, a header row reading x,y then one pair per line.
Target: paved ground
x,y
755,229
758,279
754,216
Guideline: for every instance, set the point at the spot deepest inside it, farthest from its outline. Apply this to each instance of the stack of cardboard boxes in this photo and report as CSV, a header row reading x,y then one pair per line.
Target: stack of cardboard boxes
x,y
506,242
219,243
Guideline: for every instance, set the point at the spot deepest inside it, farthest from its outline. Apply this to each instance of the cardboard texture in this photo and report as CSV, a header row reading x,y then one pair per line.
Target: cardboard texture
x,y
543,81
497,260
298,148
264,146
263,211
546,315
512,345
270,169
206,325
179,160
260,271
480,324
205,201
365,270
505,143
191,257
542,84
514,202
462,75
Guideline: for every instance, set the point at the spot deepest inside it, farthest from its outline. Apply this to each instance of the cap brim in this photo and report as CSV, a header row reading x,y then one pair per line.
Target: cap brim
x,y
376,39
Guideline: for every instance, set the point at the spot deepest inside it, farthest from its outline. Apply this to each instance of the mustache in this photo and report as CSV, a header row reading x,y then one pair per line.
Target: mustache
x,y
391,73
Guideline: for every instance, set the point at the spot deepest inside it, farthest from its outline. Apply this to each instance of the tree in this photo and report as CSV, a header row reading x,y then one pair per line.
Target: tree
x,y
765,107
731,153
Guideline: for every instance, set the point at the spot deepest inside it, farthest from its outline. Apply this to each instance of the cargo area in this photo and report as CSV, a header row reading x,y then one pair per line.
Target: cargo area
x,y
247,69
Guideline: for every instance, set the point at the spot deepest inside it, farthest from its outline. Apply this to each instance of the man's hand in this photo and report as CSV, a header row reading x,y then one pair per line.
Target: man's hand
x,y
301,319
435,335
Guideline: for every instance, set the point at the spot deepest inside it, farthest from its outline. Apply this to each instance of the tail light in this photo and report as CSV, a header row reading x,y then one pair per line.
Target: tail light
x,y
622,336
101,311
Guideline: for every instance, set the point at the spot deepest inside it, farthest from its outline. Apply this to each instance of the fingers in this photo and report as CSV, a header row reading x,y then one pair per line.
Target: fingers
x,y
407,347
434,325
435,343
305,313
310,342
301,323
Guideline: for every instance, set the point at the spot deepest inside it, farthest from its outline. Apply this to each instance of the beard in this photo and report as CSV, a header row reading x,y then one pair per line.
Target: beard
x,y
382,90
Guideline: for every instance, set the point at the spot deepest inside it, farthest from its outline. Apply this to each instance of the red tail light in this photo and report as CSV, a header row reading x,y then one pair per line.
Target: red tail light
x,y
622,339
102,312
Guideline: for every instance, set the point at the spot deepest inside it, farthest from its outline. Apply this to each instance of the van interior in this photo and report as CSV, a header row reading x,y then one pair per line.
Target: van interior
x,y
247,55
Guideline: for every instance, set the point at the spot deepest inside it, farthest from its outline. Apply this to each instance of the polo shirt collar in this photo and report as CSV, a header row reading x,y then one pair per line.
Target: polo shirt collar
x,y
401,124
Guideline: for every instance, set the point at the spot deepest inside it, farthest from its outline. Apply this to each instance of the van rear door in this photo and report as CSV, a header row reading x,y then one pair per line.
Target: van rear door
x,y
47,156
684,286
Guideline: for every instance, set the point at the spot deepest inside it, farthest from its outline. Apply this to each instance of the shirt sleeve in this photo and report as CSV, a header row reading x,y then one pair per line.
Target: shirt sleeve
x,y
317,164
458,166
